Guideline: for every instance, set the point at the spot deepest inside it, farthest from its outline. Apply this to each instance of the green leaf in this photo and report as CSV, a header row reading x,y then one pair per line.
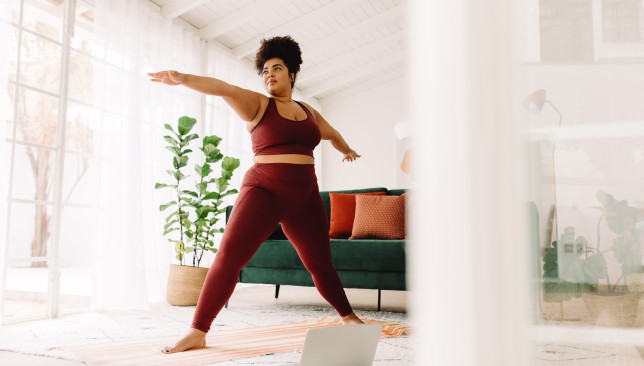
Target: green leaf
x,y
173,149
171,140
186,124
162,185
595,268
214,157
170,230
211,140
226,174
179,161
211,196
189,138
214,250
215,231
209,149
229,192
204,170
222,184
178,175
174,214
230,164
166,226
202,187
191,193
164,206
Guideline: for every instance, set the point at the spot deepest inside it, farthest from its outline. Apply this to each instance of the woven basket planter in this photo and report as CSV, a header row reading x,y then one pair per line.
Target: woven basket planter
x,y
184,284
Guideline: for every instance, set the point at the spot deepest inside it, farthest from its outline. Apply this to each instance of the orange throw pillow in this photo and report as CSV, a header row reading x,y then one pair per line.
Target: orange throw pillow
x,y
381,217
343,210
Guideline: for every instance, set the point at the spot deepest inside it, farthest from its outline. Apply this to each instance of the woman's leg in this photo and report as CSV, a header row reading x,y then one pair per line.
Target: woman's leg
x,y
307,229
254,217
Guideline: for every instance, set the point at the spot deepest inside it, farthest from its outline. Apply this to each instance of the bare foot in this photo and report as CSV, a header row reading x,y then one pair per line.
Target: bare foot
x,y
193,340
351,319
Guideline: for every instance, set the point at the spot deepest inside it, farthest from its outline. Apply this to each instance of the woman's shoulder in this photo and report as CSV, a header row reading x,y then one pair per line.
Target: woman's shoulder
x,y
309,109
264,104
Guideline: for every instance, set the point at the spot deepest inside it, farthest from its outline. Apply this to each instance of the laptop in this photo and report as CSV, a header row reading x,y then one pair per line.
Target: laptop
x,y
347,345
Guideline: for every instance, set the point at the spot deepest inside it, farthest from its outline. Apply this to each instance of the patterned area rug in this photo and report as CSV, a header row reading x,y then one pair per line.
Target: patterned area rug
x,y
225,345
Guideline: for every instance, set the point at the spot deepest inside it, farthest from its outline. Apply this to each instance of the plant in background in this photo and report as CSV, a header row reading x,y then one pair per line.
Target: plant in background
x,y
571,266
208,205
621,219
555,287
195,235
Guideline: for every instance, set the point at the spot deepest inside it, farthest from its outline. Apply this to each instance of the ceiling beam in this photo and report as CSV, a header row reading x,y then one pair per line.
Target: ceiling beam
x,y
236,19
362,27
176,8
358,53
351,75
358,88
303,21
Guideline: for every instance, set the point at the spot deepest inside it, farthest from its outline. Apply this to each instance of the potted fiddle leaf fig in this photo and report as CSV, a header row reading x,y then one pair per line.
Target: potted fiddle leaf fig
x,y
191,225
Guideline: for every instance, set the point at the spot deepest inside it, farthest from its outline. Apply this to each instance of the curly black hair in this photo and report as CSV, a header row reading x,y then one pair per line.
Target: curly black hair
x,y
285,48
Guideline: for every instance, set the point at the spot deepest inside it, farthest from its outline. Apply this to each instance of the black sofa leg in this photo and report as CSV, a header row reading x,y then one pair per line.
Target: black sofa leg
x,y
277,291
226,306
379,294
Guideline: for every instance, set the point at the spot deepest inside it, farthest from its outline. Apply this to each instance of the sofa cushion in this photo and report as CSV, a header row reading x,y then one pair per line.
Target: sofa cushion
x,y
379,217
343,210
349,255
326,200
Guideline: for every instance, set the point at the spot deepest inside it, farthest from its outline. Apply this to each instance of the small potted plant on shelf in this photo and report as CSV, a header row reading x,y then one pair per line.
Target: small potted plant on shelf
x,y
559,287
194,214
581,269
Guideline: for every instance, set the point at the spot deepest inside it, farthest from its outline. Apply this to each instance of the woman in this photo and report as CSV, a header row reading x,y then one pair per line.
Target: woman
x,y
280,187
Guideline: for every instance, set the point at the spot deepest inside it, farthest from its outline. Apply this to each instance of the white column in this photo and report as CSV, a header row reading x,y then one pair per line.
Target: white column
x,y
469,255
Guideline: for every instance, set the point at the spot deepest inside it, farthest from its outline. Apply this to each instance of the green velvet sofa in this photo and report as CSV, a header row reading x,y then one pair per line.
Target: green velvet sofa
x,y
361,263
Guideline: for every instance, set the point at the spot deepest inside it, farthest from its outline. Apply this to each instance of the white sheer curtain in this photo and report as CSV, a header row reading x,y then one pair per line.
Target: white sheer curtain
x,y
5,31
131,255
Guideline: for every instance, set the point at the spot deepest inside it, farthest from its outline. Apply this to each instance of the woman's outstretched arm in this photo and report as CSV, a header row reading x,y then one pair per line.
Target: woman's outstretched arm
x,y
329,133
246,103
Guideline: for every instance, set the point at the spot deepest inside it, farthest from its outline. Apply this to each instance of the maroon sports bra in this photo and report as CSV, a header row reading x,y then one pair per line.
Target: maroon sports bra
x,y
275,134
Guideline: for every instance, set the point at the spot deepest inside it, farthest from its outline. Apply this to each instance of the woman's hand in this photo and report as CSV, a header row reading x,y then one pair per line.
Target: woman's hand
x,y
169,77
350,156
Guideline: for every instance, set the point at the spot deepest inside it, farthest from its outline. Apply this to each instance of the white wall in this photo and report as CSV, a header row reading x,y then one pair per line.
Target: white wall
x,y
366,121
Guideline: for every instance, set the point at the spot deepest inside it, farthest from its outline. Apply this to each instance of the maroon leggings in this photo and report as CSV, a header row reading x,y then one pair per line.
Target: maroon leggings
x,y
272,193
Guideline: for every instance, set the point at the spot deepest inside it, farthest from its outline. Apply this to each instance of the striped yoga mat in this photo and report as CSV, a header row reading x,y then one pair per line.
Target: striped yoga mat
x,y
224,345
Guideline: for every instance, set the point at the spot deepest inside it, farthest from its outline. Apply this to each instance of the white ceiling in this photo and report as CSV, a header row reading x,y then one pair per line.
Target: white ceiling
x,y
347,45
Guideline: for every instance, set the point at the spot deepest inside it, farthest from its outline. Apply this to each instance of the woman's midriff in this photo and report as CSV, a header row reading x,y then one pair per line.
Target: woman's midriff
x,y
283,158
